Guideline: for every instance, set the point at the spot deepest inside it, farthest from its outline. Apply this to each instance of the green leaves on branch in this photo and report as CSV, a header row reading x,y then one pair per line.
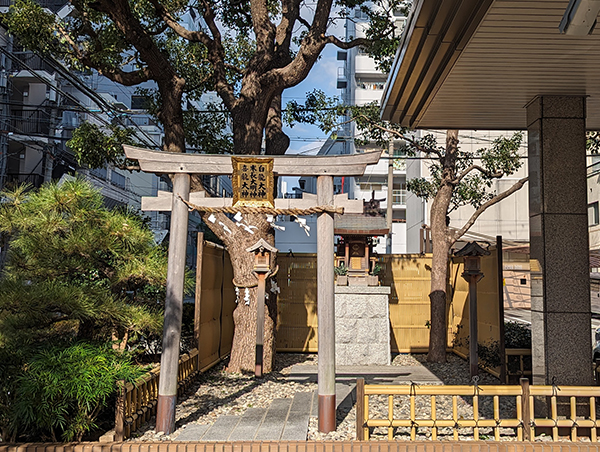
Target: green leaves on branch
x,y
75,268
34,26
64,388
76,275
97,148
318,109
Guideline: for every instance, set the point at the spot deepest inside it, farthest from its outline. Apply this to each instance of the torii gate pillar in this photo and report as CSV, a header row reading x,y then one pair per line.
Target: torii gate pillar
x,y
169,361
326,307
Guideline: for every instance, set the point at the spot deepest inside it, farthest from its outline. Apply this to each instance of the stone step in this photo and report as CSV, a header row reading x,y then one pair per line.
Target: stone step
x,y
193,432
249,424
221,429
296,427
274,421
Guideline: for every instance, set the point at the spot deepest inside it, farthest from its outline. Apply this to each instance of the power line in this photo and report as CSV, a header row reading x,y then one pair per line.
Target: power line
x,y
80,86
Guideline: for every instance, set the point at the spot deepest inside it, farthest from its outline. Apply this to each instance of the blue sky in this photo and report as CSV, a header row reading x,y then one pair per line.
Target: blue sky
x,y
306,138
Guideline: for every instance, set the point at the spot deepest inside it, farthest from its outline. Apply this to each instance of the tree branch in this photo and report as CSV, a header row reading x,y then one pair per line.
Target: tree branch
x,y
216,53
264,30
345,45
467,170
496,199
398,134
290,13
192,36
113,73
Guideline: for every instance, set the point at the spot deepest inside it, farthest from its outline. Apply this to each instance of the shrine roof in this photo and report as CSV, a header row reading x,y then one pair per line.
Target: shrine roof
x,y
357,224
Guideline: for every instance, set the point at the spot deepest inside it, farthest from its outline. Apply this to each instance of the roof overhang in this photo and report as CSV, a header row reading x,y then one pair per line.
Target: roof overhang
x,y
476,64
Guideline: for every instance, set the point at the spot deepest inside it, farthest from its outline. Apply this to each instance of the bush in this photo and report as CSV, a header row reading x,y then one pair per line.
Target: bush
x,y
517,335
62,389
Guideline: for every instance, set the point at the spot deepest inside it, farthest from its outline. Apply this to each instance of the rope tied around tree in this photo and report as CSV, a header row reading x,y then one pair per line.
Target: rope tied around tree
x,y
265,210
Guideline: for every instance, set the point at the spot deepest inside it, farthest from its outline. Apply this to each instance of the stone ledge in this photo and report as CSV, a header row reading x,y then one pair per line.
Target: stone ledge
x,y
377,290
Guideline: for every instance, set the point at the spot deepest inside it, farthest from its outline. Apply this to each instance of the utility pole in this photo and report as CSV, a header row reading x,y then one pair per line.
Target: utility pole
x,y
390,197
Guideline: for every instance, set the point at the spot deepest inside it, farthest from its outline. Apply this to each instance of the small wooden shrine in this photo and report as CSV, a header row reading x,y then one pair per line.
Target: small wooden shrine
x,y
357,235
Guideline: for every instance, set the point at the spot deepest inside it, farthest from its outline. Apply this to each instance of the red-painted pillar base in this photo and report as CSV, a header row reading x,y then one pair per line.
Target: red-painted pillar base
x,y
165,414
327,421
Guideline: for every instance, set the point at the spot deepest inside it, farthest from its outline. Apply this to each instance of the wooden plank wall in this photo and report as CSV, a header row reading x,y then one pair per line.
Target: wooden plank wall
x,y
297,303
217,302
409,278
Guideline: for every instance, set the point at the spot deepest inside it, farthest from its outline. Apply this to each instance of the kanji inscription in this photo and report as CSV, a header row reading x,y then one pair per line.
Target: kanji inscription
x,y
252,181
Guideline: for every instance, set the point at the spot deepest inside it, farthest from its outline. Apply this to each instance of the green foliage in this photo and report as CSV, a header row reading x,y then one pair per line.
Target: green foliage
x,y
376,270
517,335
63,388
75,272
341,270
93,36
318,109
96,148
75,268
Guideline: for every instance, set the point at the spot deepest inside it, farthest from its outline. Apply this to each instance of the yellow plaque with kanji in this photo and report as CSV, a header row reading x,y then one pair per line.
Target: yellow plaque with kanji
x,y
252,181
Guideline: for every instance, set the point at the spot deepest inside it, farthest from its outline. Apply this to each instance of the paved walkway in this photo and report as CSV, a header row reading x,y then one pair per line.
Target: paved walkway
x,y
287,419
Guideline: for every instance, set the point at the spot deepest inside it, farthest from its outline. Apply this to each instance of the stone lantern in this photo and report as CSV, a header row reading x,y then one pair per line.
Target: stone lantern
x,y
263,255
472,253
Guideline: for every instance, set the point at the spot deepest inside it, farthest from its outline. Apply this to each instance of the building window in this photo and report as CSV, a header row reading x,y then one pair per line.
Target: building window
x,y
593,214
99,173
523,281
139,103
117,179
399,194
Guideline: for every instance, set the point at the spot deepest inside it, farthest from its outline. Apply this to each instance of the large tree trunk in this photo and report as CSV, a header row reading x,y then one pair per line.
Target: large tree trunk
x,y
249,122
442,241
244,339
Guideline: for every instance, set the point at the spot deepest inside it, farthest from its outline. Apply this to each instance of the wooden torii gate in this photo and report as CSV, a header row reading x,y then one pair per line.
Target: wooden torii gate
x,y
180,166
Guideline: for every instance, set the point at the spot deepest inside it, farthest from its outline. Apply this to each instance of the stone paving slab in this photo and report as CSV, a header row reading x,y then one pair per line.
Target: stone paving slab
x,y
193,432
296,427
249,424
274,420
418,374
221,429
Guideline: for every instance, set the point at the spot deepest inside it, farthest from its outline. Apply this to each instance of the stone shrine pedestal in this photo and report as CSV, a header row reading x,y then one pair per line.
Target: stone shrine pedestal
x,y
362,326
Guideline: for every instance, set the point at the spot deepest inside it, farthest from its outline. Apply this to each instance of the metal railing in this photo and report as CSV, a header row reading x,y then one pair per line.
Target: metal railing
x,y
570,409
136,403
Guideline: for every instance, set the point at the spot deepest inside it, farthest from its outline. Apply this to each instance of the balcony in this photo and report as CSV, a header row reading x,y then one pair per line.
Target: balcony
x,y
30,122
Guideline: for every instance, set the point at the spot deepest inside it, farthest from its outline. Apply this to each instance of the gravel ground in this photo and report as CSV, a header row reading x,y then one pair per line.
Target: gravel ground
x,y
218,393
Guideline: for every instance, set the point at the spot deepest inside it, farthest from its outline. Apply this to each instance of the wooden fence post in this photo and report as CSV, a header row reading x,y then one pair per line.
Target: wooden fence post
x,y
120,412
360,409
525,409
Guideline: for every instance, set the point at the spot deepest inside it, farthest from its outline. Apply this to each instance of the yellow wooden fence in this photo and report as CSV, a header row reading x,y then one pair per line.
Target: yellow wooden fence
x,y
409,277
565,412
136,403
215,303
